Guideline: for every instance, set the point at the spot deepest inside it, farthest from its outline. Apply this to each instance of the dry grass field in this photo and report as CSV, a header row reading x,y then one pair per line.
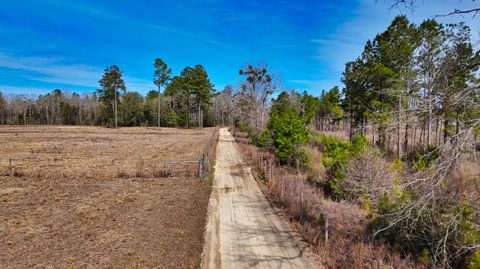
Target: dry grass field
x,y
91,216
90,152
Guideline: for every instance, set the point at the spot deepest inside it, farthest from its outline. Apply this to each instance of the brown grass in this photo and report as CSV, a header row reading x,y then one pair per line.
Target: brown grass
x,y
103,221
93,152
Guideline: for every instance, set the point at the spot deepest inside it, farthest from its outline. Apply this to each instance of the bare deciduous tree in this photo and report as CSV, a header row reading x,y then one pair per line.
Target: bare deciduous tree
x,y
253,96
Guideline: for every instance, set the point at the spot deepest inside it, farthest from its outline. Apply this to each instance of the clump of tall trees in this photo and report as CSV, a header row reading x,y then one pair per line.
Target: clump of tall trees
x,y
415,84
190,94
418,85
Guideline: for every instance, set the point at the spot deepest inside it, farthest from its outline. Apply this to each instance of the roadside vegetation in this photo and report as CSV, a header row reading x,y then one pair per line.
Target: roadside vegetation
x,y
398,146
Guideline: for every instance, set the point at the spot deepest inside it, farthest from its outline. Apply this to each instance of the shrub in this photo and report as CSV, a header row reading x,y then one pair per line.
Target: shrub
x,y
367,177
437,233
303,157
474,260
398,165
252,134
286,130
425,159
314,169
336,154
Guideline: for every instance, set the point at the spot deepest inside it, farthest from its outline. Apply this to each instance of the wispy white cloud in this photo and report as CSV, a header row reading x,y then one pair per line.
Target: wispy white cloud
x,y
7,89
56,71
309,83
52,70
109,15
180,33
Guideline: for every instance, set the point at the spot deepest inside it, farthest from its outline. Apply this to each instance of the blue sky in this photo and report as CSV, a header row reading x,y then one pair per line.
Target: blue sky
x,y
48,44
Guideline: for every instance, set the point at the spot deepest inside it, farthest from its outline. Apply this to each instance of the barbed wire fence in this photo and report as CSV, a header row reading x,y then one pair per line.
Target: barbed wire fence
x,y
291,189
74,167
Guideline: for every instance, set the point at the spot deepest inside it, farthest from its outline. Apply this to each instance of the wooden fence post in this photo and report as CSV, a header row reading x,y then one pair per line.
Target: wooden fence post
x,y
11,167
115,170
63,168
271,174
301,204
200,168
165,168
265,171
282,187
326,228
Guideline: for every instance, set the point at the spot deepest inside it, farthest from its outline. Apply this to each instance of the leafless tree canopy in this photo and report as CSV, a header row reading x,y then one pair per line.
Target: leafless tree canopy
x,y
410,5
252,98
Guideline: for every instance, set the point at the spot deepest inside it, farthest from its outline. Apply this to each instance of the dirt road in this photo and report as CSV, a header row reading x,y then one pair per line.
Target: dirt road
x,y
243,231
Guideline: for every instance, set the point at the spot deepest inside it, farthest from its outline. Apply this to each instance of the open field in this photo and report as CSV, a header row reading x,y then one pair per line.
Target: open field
x,y
95,219
92,152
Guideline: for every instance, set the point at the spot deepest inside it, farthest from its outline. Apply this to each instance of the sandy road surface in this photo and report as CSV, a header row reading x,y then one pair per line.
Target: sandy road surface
x,y
243,230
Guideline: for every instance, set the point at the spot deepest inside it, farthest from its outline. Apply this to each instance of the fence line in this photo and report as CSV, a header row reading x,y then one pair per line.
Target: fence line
x,y
44,167
291,188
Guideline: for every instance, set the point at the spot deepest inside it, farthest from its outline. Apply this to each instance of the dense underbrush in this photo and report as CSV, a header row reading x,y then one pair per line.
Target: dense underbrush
x,y
359,209
336,229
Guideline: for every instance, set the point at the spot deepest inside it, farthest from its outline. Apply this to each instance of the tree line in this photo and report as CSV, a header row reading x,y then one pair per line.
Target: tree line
x,y
186,101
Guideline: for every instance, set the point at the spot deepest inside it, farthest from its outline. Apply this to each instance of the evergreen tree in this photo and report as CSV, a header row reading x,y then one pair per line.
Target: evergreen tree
x,y
160,78
111,82
131,109
286,128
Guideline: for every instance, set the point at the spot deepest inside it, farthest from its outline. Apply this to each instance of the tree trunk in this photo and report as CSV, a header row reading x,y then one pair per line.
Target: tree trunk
x,y
422,132
47,116
364,125
188,114
439,134
31,114
407,127
115,106
399,127
446,124
475,147
199,116
429,122
457,126
158,108
389,138
373,134
79,114
351,126
414,140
